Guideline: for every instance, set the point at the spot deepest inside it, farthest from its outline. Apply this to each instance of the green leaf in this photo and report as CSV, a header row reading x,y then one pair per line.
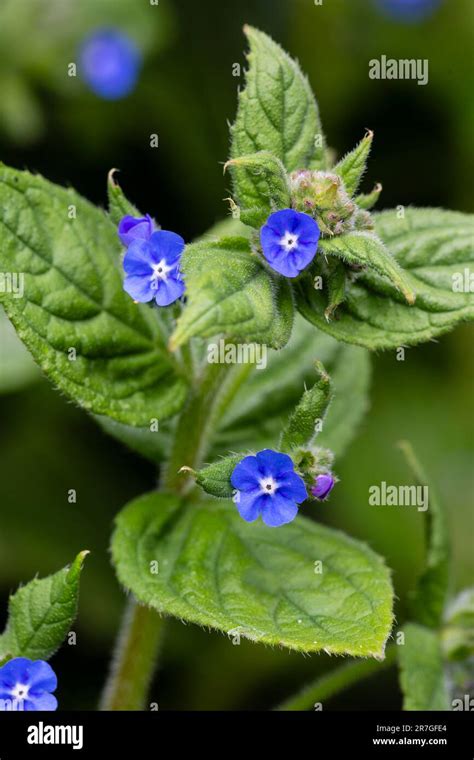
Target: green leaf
x,y
17,368
119,206
216,570
277,113
261,407
336,286
231,293
40,614
368,200
269,176
215,478
432,586
458,630
422,677
312,407
435,249
366,250
352,167
74,300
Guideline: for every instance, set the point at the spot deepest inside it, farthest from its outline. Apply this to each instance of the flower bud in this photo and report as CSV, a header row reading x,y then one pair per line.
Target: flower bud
x,y
323,485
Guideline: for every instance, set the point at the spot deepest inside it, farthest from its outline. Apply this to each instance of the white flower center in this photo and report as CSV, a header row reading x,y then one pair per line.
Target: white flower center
x,y
289,241
160,272
20,691
268,485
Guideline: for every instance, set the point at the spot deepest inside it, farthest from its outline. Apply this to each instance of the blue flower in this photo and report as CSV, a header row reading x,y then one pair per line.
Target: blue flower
x,y
323,485
268,486
409,10
110,63
289,241
135,228
152,268
27,685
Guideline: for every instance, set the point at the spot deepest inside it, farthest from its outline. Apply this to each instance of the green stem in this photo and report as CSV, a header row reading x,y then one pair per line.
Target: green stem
x,y
337,680
134,660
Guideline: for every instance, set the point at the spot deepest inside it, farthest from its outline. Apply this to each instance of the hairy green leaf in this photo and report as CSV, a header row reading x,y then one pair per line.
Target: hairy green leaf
x,y
277,113
231,293
432,586
312,407
269,176
366,250
435,249
368,200
260,409
105,352
422,677
352,167
40,614
119,205
201,562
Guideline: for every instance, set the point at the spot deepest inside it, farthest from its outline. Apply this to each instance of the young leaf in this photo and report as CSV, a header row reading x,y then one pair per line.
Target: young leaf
x,y
336,286
214,479
312,407
422,677
368,200
435,249
366,249
41,614
119,206
261,407
432,586
277,113
269,177
105,352
262,583
352,167
231,293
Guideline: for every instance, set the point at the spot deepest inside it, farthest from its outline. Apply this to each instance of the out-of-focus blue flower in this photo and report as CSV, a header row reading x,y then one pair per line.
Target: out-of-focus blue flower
x,y
27,685
323,485
135,228
408,10
289,241
268,486
110,63
152,268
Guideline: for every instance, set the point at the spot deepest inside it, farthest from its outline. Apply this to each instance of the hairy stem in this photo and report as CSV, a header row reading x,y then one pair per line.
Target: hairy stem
x,y
134,660
330,684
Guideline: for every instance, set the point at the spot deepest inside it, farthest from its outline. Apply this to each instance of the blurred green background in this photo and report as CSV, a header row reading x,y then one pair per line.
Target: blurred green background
x,y
186,94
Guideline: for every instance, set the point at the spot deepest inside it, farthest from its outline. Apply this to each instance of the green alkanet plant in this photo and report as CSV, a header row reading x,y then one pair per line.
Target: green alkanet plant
x,y
304,269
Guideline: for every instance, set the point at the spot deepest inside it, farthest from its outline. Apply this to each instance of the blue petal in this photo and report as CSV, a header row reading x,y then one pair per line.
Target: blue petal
x,y
249,505
169,291
135,228
283,221
45,701
110,63
167,245
279,512
15,671
246,474
137,260
42,677
139,288
292,486
273,463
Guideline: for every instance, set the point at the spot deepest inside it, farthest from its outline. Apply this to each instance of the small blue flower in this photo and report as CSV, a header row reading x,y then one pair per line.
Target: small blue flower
x,y
152,268
27,685
110,63
135,228
323,485
289,241
268,486
409,10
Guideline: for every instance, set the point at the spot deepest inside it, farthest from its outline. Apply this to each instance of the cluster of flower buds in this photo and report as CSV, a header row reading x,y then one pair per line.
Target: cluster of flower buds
x,y
323,196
